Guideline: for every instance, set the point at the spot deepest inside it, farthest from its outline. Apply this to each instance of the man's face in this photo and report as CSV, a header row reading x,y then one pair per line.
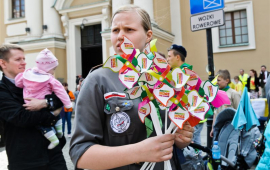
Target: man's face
x,y
221,82
241,72
15,64
263,69
172,59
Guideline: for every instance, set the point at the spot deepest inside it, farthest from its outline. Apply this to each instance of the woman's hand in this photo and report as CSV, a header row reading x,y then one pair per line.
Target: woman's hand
x,y
184,136
35,104
156,149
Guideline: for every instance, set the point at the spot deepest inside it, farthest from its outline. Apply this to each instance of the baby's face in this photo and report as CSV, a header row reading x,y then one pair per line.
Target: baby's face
x,y
52,71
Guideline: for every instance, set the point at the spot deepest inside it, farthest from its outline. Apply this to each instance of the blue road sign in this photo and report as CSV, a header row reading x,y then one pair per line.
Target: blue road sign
x,y
202,6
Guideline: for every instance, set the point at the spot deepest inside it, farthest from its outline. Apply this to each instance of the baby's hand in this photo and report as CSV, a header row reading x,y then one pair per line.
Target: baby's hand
x,y
35,104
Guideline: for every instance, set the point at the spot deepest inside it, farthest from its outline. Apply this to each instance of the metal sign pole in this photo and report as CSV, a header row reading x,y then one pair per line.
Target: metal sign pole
x,y
211,77
210,54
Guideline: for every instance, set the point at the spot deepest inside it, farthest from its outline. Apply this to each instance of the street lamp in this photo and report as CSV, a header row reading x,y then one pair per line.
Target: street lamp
x,y
82,25
44,27
27,29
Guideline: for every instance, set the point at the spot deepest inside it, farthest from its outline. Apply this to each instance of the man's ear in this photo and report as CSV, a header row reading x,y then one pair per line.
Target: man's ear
x,y
2,63
228,81
178,57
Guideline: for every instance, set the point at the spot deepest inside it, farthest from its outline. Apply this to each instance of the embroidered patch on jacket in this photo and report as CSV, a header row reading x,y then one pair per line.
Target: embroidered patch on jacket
x,y
108,107
120,122
114,94
126,103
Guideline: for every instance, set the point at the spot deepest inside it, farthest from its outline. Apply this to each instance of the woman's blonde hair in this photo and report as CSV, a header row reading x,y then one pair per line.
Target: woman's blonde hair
x,y
146,21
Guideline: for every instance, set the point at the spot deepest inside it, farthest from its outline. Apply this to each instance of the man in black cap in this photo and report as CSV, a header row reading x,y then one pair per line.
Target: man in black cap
x,y
176,57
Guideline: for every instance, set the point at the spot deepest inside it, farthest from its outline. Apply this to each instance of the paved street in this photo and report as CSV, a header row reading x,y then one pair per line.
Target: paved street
x,y
3,157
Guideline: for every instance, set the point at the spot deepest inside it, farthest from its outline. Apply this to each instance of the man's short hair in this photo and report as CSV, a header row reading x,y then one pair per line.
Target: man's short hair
x,y
5,51
175,53
225,74
179,50
263,66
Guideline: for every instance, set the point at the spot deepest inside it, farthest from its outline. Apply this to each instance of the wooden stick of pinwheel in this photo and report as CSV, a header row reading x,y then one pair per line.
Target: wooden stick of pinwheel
x,y
157,127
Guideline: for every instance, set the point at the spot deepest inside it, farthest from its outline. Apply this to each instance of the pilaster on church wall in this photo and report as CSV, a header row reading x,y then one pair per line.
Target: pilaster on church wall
x,y
51,19
2,27
34,18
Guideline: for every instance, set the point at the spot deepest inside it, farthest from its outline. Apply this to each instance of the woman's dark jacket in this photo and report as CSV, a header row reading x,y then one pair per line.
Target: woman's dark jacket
x,y
257,84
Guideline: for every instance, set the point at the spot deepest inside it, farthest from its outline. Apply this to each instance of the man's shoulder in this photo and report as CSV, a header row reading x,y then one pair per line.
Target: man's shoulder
x,y
3,86
233,92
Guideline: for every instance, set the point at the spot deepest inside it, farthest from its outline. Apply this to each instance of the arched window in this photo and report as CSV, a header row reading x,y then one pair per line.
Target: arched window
x,y
18,8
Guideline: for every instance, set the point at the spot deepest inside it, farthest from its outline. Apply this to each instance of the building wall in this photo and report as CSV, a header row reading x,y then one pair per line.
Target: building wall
x,y
195,43
85,13
162,14
108,45
61,71
83,2
162,45
2,28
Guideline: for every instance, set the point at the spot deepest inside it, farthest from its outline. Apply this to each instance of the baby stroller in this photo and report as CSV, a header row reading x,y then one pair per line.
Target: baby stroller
x,y
236,145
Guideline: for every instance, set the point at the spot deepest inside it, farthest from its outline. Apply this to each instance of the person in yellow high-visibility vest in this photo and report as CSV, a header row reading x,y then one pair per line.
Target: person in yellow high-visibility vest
x,y
243,77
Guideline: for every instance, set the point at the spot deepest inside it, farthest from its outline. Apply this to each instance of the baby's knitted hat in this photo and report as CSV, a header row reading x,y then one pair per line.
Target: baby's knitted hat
x,y
46,61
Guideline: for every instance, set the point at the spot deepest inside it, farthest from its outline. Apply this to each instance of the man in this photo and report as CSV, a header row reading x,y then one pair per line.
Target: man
x,y
223,81
243,77
26,147
176,57
263,78
78,79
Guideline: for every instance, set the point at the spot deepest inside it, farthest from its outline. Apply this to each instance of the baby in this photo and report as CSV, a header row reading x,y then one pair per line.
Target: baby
x,y
38,82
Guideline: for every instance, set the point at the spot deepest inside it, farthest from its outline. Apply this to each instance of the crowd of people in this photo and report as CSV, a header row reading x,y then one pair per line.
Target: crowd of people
x,y
31,101
254,83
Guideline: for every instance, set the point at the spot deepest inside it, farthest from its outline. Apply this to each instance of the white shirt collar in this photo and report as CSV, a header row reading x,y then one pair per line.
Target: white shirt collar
x,y
11,80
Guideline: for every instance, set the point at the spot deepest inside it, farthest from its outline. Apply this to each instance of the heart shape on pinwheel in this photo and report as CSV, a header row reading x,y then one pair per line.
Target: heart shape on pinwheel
x,y
210,90
201,110
179,117
144,62
127,46
113,63
129,78
194,100
179,77
134,92
163,93
193,79
148,78
144,111
160,61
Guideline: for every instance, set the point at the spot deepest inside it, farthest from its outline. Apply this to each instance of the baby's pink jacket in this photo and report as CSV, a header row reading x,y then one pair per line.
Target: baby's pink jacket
x,y
38,90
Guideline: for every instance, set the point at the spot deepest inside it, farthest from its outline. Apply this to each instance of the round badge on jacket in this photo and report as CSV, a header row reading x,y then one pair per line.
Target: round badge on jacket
x,y
120,122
